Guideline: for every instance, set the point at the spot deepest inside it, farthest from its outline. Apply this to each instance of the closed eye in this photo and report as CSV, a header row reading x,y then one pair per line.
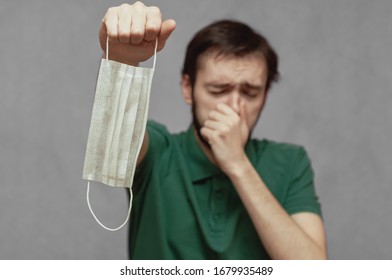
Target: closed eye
x,y
251,93
218,89
252,90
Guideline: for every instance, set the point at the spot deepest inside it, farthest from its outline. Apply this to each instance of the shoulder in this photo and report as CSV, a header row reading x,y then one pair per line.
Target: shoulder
x,y
282,147
287,171
280,162
161,142
160,145
156,128
277,151
158,134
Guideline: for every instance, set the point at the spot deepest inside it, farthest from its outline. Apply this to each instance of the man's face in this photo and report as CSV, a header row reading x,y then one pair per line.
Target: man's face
x,y
230,80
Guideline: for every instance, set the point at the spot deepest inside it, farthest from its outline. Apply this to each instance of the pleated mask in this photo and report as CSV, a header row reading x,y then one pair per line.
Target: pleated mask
x,y
117,126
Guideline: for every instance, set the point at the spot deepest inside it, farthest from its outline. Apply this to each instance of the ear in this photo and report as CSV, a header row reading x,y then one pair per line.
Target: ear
x,y
186,89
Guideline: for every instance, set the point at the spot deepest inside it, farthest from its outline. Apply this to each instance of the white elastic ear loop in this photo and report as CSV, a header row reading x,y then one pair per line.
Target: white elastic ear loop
x,y
88,182
95,217
155,53
107,47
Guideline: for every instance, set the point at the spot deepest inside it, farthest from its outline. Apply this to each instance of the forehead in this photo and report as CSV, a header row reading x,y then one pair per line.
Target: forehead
x,y
232,69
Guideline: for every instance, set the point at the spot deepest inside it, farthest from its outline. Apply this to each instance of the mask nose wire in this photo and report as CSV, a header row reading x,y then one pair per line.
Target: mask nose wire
x,y
130,189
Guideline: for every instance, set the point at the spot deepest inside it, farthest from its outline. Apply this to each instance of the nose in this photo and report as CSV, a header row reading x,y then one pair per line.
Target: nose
x,y
234,101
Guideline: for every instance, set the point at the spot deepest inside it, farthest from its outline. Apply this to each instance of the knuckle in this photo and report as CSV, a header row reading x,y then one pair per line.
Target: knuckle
x,y
110,13
139,5
155,10
225,130
125,6
126,9
111,10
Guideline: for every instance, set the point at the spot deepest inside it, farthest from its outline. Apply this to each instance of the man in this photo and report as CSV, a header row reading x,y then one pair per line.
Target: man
x,y
212,192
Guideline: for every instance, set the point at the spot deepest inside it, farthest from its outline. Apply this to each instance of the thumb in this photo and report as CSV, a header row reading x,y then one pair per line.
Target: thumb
x,y
167,28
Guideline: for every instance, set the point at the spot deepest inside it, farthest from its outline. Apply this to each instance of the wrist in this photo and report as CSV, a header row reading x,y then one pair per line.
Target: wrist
x,y
239,168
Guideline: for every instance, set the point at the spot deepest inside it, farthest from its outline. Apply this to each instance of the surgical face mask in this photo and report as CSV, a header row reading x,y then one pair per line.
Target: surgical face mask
x,y
117,125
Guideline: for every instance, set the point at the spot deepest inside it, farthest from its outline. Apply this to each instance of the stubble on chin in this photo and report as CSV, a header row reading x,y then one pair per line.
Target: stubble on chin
x,y
197,126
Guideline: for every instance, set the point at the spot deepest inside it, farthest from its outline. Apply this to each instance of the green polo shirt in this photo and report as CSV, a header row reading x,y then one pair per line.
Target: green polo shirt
x,y
185,207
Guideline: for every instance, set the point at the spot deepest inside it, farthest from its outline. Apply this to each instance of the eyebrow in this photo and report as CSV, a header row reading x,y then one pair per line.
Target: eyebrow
x,y
218,84
228,85
252,86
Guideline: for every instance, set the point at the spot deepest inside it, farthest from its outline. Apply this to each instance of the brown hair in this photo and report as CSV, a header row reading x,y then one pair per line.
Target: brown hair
x,y
227,37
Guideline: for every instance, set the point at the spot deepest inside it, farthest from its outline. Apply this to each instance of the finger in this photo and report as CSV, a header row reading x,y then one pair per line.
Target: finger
x,y
103,36
102,29
207,134
111,22
217,116
153,24
226,109
138,24
124,23
213,125
167,29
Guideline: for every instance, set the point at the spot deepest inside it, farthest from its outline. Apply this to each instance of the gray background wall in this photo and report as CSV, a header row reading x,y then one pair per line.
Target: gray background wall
x,y
334,98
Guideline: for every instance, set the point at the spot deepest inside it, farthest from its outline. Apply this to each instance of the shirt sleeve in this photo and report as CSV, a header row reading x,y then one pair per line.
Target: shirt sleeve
x,y
158,139
301,194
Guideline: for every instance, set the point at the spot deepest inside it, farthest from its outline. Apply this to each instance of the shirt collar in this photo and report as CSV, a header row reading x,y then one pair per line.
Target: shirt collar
x,y
200,167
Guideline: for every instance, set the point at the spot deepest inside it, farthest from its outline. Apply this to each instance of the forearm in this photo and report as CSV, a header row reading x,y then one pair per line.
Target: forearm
x,y
282,237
